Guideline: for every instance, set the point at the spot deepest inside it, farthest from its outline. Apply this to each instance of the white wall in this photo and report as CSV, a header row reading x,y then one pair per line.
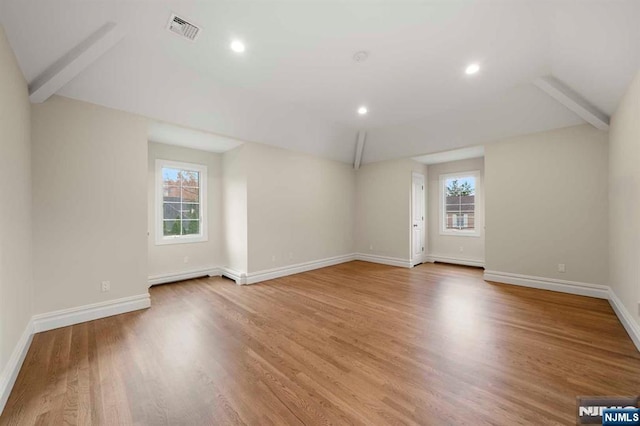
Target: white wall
x,y
16,278
277,208
624,200
169,258
448,247
300,207
89,202
383,208
234,209
546,203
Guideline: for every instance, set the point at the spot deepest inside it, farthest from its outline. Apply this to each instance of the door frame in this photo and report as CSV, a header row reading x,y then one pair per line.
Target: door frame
x,y
417,260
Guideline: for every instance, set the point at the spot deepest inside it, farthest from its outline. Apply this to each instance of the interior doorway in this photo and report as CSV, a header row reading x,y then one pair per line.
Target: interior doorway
x,y
418,240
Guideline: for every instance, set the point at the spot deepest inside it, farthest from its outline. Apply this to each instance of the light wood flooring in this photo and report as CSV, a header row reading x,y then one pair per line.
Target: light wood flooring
x,y
357,343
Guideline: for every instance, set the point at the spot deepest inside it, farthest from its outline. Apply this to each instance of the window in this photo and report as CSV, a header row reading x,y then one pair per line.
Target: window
x,y
459,212
180,202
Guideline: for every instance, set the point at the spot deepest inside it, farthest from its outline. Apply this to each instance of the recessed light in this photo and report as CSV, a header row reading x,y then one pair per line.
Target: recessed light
x,y
362,110
237,46
472,69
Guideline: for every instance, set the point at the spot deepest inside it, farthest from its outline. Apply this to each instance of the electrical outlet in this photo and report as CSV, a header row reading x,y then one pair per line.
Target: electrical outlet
x,y
371,247
561,267
106,286
461,249
186,259
273,258
290,256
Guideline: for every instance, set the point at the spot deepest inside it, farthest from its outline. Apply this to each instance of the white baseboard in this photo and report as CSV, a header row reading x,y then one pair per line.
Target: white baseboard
x,y
270,274
625,318
65,317
384,260
57,319
239,277
455,260
243,278
572,287
10,372
184,275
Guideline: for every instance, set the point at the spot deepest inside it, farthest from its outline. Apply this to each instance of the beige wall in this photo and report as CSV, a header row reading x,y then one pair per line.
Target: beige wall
x,y
170,258
546,203
624,200
453,247
16,280
234,209
272,208
90,203
383,208
300,207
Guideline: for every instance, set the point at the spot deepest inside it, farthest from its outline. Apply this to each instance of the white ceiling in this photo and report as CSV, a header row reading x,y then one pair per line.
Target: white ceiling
x,y
452,155
182,136
297,87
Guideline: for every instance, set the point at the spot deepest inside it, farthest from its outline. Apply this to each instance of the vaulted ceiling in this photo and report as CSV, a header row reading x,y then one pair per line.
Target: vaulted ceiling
x,y
297,86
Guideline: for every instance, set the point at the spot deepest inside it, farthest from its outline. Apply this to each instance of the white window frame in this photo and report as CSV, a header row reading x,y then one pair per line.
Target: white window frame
x,y
203,236
478,218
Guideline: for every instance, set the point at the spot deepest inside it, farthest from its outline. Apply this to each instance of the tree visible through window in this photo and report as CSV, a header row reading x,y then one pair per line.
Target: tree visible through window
x,y
181,202
460,203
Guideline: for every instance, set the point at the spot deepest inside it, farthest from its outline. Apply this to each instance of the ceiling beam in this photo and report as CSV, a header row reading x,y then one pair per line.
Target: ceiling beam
x,y
362,135
74,62
572,100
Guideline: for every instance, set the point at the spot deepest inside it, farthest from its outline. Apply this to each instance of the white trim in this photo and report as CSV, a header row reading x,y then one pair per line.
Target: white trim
x,y
239,277
574,101
12,368
71,316
270,274
159,205
362,135
244,278
574,287
420,258
384,260
65,69
625,318
563,286
455,260
184,275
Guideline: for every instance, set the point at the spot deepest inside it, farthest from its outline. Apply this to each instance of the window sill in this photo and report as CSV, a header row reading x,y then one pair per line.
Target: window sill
x,y
179,240
460,234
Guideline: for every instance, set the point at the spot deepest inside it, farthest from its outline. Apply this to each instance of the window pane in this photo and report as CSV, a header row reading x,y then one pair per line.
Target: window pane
x,y
171,211
190,194
171,193
460,186
171,227
191,211
190,178
460,203
190,227
171,177
181,201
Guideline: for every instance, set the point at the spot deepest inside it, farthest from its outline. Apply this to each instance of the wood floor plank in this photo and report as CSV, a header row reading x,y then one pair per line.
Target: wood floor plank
x,y
356,343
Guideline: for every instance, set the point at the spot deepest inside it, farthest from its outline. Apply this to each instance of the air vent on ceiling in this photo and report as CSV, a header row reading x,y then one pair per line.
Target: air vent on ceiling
x,y
183,28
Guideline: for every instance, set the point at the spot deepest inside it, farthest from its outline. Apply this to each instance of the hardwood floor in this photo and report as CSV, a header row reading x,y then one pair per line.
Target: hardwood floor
x,y
356,343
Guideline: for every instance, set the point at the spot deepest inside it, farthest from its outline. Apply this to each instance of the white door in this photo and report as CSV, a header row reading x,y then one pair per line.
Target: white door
x,y
417,219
